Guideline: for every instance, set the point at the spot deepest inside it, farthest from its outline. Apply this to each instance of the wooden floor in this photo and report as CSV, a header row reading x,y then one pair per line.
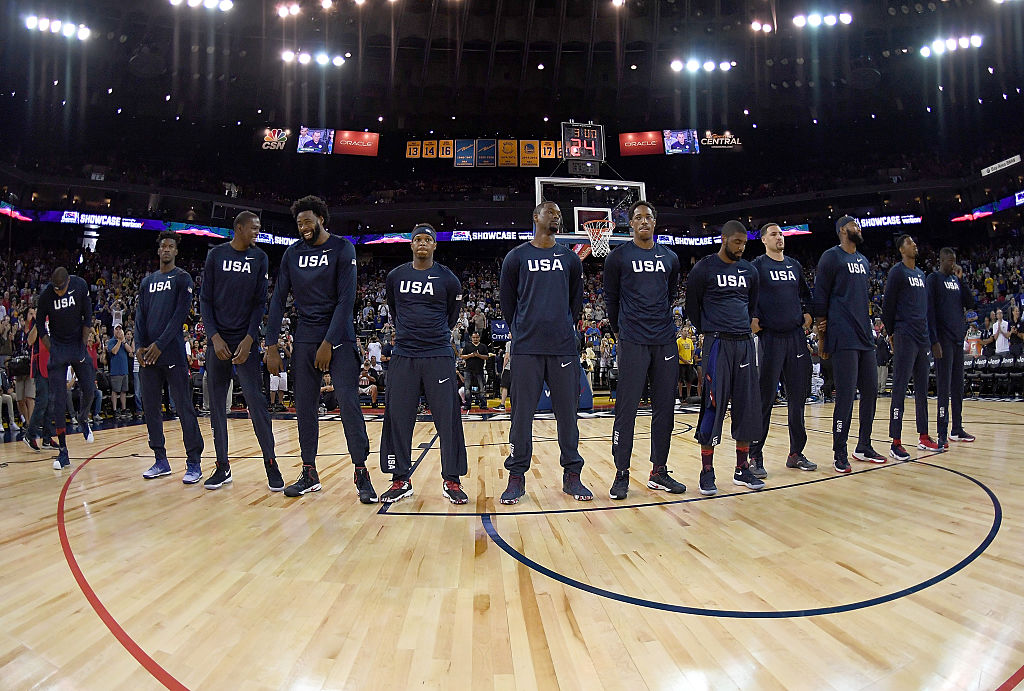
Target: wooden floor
x,y
903,576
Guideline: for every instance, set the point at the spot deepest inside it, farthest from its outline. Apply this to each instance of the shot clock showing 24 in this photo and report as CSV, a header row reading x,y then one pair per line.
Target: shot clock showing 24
x,y
582,142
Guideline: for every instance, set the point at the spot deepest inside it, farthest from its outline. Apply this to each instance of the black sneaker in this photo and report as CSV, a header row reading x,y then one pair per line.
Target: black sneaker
x,y
361,476
660,479
961,435
757,467
30,442
896,451
309,481
707,483
745,478
869,455
400,489
50,443
842,465
800,462
571,484
452,491
620,488
274,479
515,490
221,476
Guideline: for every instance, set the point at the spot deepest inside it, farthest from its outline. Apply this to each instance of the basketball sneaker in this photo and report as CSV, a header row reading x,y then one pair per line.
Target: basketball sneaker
x,y
274,479
87,432
757,467
660,479
799,461
961,435
842,465
62,460
400,489
745,478
898,452
158,469
452,491
571,484
943,444
515,490
620,487
30,442
50,443
869,455
707,483
308,481
193,474
221,476
928,444
361,476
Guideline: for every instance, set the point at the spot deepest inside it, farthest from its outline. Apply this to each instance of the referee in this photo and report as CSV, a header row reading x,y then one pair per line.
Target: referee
x,y
424,299
721,292
780,318
641,279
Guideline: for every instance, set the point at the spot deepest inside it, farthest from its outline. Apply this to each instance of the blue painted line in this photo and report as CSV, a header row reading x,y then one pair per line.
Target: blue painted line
x,y
488,523
416,464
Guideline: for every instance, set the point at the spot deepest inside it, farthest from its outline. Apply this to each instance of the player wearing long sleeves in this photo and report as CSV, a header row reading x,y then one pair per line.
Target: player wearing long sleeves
x,y
165,297
782,313
641,279
542,298
64,315
424,300
840,304
233,301
948,296
320,272
721,294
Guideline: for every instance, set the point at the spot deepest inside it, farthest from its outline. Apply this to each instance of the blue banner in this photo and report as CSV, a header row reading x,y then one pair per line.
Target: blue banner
x,y
486,153
499,331
465,153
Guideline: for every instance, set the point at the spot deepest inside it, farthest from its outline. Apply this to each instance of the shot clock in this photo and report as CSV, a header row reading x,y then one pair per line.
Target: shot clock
x,y
582,142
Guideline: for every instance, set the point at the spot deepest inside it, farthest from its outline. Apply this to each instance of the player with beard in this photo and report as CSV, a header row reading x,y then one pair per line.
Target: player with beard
x,y
320,273
905,316
840,304
233,301
721,294
641,279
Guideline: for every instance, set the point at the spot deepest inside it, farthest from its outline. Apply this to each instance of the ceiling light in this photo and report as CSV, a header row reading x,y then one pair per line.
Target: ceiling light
x,y
69,30
746,111
282,11
326,4
976,41
964,42
322,59
304,58
31,21
800,21
55,26
348,55
618,3
633,66
84,33
829,19
845,17
380,118
195,3
287,56
709,66
167,97
938,46
43,24
225,5
814,19
540,66
950,44
767,28
926,52
676,65
175,2
210,4
692,65
755,25
294,9
724,66
338,61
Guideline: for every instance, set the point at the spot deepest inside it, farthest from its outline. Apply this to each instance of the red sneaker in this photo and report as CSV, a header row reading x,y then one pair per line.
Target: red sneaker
x,y
927,443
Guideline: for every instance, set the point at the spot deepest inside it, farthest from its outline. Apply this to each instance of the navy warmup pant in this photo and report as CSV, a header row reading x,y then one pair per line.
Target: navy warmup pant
x,y
637,363
75,356
562,374
436,376
949,378
251,378
784,357
153,378
908,357
730,373
853,369
345,366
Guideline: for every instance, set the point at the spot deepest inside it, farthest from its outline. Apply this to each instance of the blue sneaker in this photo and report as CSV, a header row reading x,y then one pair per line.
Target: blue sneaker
x,y
87,433
62,461
193,474
159,469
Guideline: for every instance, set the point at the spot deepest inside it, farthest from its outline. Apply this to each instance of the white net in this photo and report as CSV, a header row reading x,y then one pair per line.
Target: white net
x,y
600,232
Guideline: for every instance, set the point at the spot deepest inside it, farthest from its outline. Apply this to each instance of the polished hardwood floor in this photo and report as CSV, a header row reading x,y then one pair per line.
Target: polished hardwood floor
x,y
902,576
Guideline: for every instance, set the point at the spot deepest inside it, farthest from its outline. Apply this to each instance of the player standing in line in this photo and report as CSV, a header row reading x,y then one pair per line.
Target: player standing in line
x,y
905,316
66,302
721,292
948,297
840,304
232,302
165,297
320,272
781,316
542,298
641,279
424,299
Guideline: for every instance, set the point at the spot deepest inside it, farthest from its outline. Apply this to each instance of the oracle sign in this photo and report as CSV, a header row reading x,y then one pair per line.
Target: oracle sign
x,y
356,143
640,143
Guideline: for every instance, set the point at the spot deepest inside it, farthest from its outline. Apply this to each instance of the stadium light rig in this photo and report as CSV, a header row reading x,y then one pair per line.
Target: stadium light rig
x,y
816,19
65,28
222,5
950,45
693,65
303,58
758,26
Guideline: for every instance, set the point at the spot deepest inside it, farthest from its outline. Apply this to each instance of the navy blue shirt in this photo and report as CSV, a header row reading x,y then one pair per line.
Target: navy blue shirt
x,y
720,297
68,313
841,294
905,304
164,302
948,297
639,287
542,298
234,294
323,280
425,308
783,296
119,360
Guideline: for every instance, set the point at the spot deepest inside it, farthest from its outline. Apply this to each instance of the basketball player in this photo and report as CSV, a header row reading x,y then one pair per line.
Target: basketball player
x,y
424,299
905,316
948,297
641,279
721,293
66,302
782,315
840,304
165,297
320,273
233,301
542,298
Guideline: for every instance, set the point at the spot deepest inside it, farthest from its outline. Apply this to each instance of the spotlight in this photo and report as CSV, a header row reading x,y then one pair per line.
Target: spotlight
x,y
767,28
287,56
175,2
282,11
540,66
829,19
167,97
926,52
845,17
814,19
69,30
950,44
31,22
348,55
55,26
724,66
709,66
195,3
692,65
755,25
210,4
294,9
938,46
380,118
304,58
633,66
338,61
800,21
964,42
976,41
326,4
677,65
618,3
43,24
225,5
746,111
322,59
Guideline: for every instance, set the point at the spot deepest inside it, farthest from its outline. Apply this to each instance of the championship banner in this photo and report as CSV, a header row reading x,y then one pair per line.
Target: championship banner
x,y
272,138
641,143
356,143
529,153
446,148
413,149
486,153
430,148
508,153
465,153
547,149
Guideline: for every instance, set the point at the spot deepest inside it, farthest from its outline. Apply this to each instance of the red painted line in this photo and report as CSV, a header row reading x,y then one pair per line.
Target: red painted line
x,y
151,665
1013,681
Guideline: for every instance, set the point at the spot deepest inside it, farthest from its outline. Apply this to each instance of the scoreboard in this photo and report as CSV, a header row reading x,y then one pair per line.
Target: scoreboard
x,y
582,142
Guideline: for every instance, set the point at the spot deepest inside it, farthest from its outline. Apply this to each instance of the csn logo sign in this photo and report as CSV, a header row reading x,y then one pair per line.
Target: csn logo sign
x,y
275,139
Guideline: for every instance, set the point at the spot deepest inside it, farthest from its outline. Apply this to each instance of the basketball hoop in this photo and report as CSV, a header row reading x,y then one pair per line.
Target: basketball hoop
x,y
600,232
